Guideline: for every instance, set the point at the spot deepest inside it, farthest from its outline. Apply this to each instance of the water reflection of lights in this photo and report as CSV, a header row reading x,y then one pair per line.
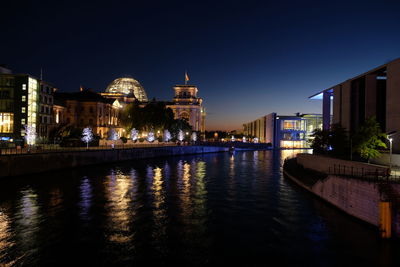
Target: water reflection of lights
x,y
86,198
27,219
118,186
5,235
201,190
232,166
159,212
157,188
255,159
183,170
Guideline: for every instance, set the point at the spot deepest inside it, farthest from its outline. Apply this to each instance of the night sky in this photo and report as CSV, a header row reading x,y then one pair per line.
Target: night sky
x,y
248,58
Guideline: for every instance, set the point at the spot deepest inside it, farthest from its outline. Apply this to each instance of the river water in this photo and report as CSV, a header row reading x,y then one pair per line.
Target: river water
x,y
213,209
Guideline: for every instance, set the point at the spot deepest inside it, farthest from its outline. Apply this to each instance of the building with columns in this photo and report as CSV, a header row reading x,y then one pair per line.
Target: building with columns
x,y
187,105
373,93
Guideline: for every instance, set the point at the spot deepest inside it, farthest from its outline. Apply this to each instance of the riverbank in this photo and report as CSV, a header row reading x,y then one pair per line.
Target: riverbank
x,y
365,198
22,164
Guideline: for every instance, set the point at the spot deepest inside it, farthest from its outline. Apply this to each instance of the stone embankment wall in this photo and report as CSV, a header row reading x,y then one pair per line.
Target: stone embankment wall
x,y
13,165
329,165
357,197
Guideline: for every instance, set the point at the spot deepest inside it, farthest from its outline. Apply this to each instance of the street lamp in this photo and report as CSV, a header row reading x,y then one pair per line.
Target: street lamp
x,y
390,155
390,138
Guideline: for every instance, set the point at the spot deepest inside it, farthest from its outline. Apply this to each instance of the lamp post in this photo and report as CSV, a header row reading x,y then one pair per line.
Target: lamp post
x,y
390,155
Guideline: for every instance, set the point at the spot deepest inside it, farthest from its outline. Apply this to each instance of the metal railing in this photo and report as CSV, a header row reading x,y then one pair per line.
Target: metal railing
x,y
56,148
368,173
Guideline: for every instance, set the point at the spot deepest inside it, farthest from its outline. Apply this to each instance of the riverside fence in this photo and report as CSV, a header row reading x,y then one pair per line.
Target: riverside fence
x,y
56,148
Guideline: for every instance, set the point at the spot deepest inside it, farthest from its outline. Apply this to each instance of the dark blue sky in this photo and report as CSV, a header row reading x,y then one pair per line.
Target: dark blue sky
x,y
248,58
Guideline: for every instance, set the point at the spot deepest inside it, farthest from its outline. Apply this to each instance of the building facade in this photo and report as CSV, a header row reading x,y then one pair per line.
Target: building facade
x,y
373,93
188,106
87,109
284,131
25,101
46,101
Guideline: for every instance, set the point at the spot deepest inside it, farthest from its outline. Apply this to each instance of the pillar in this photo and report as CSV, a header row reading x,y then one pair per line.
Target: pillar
x,y
326,110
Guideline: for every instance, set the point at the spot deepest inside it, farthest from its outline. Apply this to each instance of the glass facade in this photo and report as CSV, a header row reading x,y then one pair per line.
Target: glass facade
x,y
293,144
298,125
127,86
6,122
33,89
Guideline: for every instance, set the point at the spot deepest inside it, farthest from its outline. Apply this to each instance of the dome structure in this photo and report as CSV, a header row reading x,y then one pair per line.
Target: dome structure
x,y
127,86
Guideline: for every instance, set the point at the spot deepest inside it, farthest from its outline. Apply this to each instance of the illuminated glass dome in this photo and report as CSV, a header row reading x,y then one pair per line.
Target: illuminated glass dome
x,y
127,86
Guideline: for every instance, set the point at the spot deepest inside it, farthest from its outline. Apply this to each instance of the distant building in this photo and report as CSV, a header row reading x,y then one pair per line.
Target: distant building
x,y
284,131
373,93
24,101
185,104
188,106
87,109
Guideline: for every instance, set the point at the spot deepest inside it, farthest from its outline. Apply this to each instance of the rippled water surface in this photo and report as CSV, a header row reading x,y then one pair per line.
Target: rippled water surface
x,y
195,210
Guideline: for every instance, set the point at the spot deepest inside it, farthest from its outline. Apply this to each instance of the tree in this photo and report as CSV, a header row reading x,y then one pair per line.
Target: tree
x,y
180,125
112,134
331,142
167,136
194,137
320,141
87,136
134,134
181,136
368,139
30,134
150,136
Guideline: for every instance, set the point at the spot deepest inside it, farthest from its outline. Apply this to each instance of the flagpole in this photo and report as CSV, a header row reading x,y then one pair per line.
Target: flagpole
x,y
185,77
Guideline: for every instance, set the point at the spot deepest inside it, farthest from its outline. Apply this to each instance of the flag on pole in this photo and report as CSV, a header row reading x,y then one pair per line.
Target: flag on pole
x,y
186,77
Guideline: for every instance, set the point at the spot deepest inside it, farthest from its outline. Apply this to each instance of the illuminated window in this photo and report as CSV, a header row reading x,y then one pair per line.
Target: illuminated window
x,y
23,109
6,122
23,98
24,87
293,144
293,125
23,121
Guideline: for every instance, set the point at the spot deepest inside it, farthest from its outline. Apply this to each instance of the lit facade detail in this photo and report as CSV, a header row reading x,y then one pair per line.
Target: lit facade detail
x,y
32,106
126,88
87,109
188,106
6,122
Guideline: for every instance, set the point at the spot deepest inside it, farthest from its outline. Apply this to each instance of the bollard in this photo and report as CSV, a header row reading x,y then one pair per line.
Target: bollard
x,y
385,219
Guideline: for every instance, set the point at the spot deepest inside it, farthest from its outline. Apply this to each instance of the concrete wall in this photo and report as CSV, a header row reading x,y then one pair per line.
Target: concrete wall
x,y
270,128
355,197
370,95
326,164
13,165
384,159
346,105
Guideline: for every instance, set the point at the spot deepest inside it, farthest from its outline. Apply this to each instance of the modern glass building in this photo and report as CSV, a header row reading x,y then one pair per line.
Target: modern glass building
x,y
19,106
284,131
